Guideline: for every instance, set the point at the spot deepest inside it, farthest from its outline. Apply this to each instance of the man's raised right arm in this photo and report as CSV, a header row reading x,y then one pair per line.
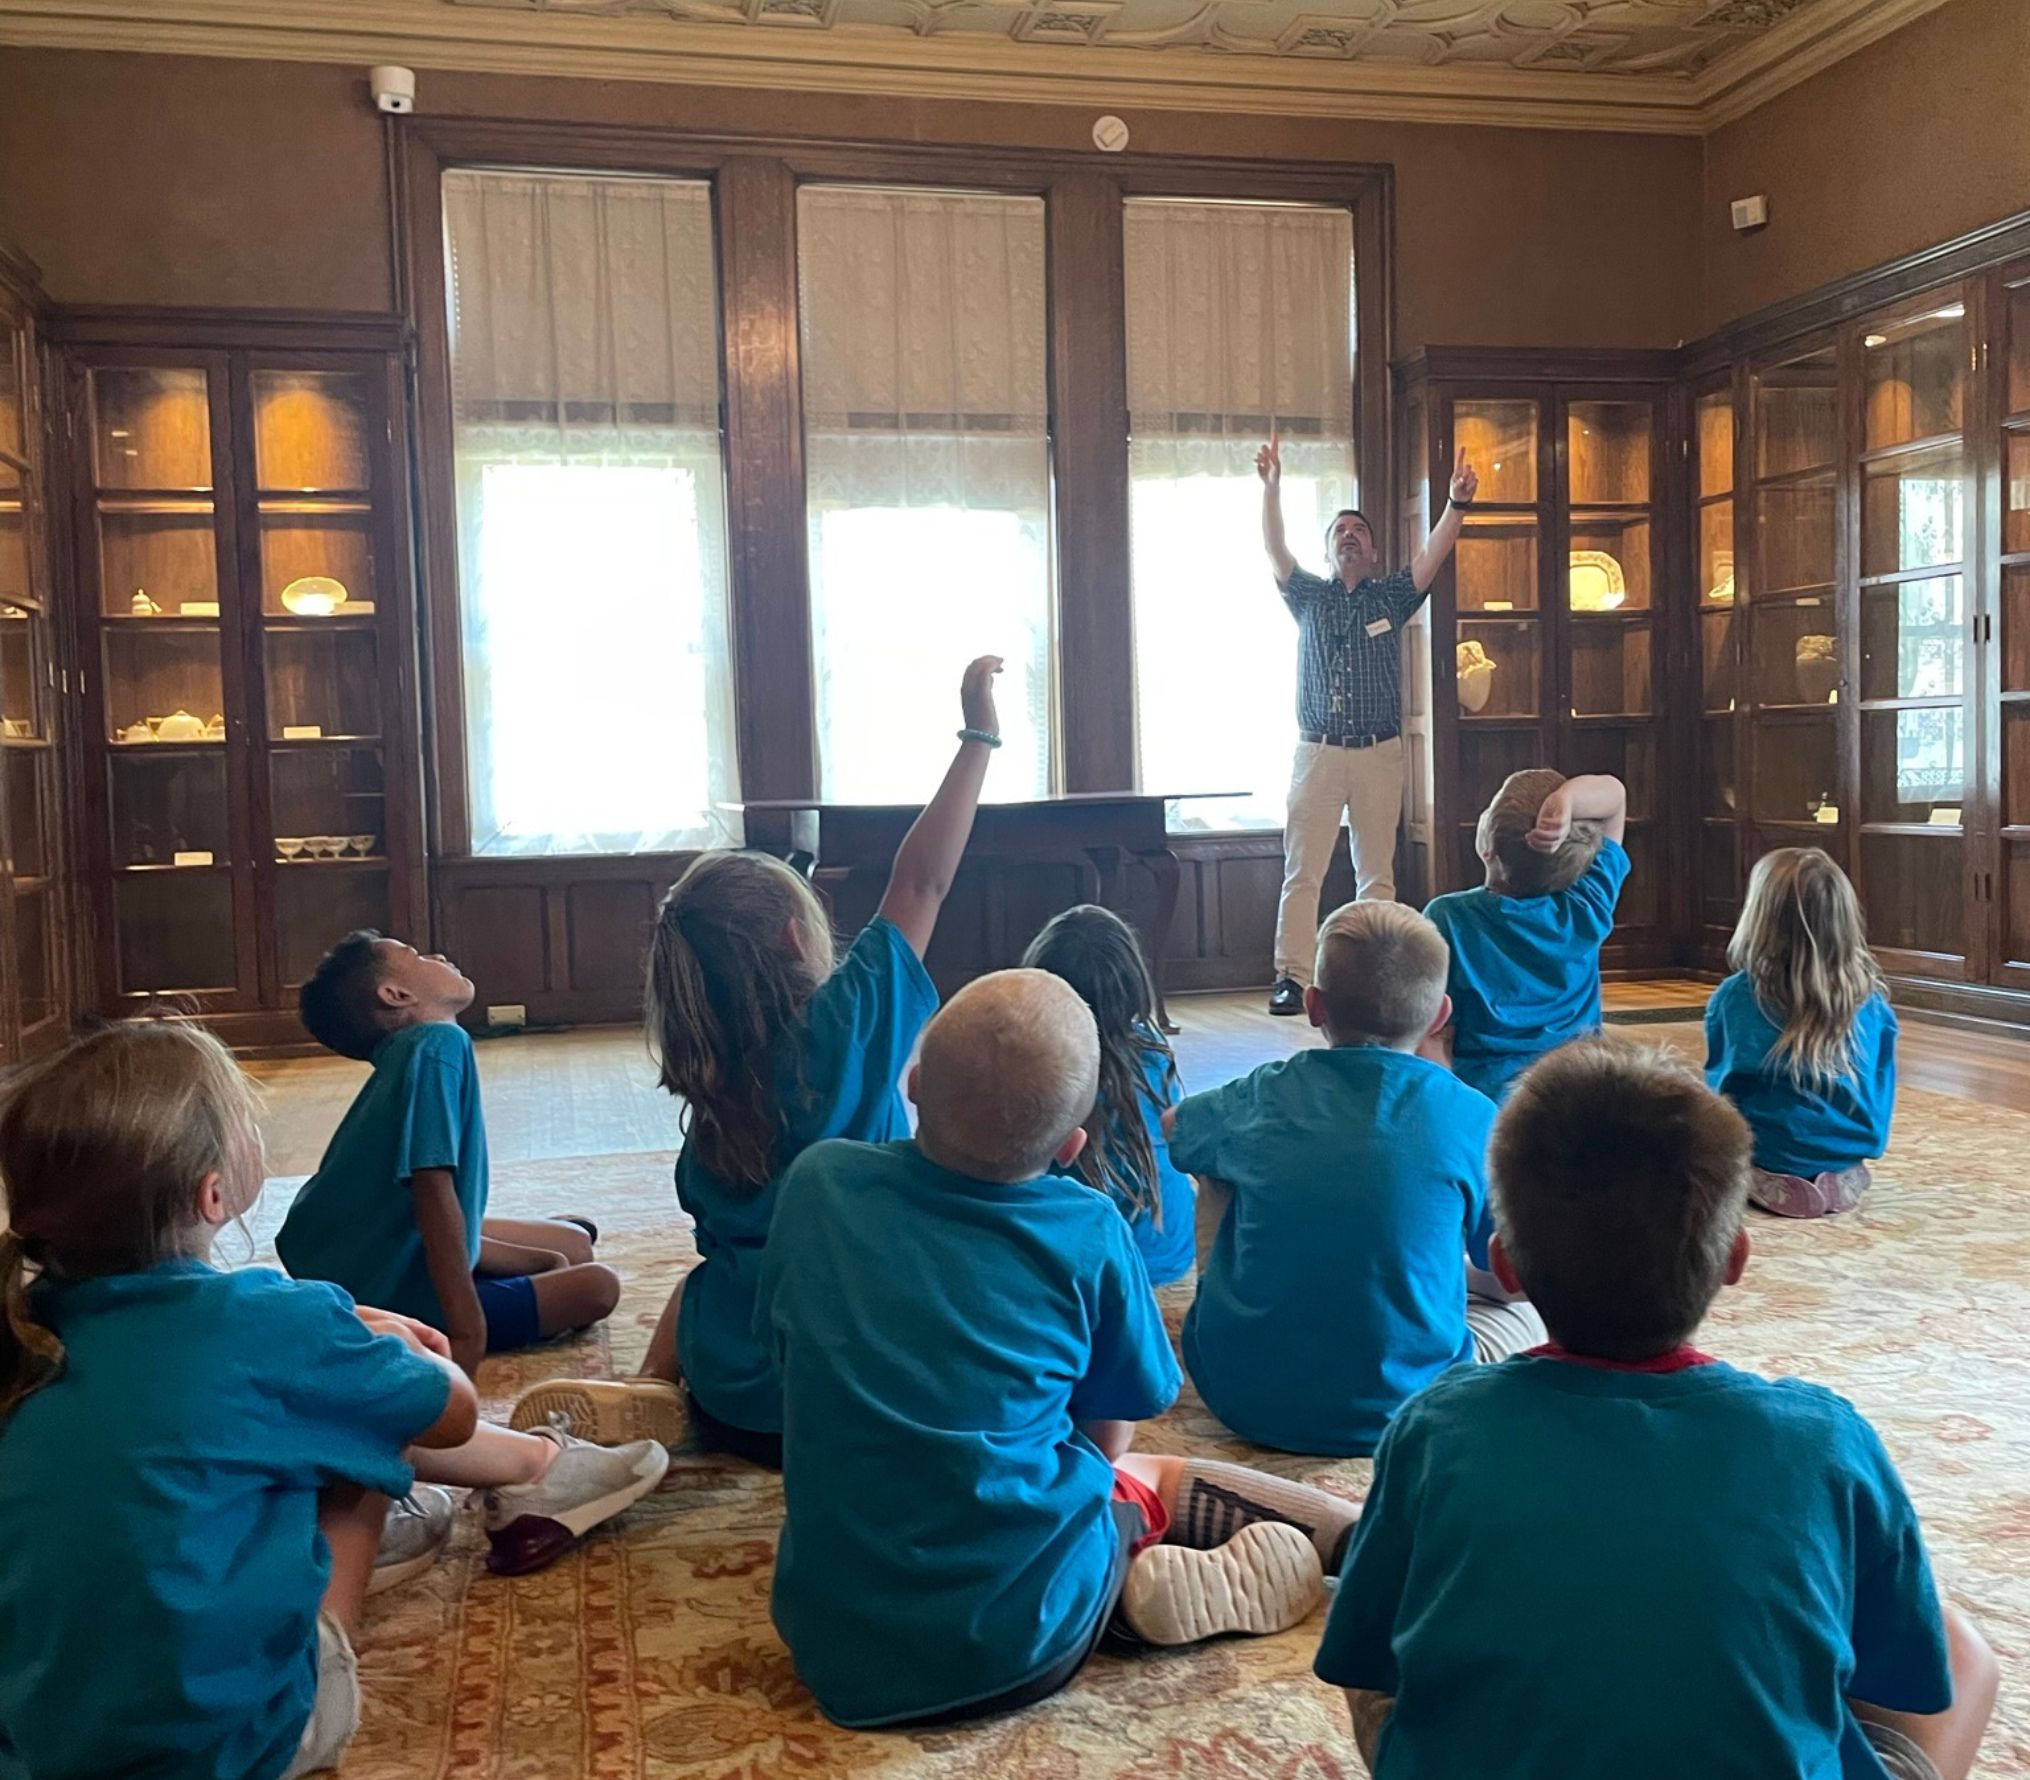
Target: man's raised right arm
x,y
1269,466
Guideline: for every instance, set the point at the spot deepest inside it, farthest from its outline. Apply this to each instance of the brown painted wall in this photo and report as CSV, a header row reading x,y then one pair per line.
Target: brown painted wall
x,y
141,179
1912,141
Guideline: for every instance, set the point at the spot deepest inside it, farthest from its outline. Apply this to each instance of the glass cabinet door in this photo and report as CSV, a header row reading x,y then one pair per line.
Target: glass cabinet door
x,y
2011,316
28,802
1789,679
1499,648
161,687
1609,620
314,495
1915,676
1719,863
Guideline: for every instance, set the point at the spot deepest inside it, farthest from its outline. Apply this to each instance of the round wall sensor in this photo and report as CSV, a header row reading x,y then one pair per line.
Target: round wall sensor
x,y
1110,135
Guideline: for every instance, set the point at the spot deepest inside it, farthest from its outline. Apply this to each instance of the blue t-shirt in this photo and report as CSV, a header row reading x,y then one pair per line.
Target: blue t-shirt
x,y
1804,1131
1170,1251
1526,970
1336,1287
158,1509
1566,1572
354,1220
947,1534
836,1075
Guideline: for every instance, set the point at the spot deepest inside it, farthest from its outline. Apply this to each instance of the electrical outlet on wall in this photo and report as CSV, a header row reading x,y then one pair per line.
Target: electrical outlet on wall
x,y
507,1013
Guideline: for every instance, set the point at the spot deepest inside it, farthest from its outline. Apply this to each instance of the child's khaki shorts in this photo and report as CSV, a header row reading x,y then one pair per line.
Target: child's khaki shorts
x,y
334,1714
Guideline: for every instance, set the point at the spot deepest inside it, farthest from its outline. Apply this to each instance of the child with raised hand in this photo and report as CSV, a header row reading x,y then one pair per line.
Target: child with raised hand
x,y
1126,1154
196,1465
965,1338
1526,946
396,1212
1801,1037
772,1044
1350,1193
1716,1573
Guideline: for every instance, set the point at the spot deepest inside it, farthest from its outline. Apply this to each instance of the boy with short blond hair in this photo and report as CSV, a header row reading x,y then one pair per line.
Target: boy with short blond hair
x,y
1721,1573
1354,1183
1525,974
966,1340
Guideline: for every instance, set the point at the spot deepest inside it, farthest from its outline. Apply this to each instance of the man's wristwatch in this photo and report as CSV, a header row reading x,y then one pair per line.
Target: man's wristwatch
x,y
1452,500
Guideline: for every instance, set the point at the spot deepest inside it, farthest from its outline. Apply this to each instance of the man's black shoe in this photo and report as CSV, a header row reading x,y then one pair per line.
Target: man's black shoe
x,y
1287,997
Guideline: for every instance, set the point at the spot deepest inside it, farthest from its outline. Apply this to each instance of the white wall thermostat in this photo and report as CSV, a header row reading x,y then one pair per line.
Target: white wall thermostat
x,y
1749,213
1110,135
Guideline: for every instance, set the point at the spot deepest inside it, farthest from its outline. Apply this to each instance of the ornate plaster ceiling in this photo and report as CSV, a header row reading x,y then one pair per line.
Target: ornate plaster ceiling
x,y
1670,65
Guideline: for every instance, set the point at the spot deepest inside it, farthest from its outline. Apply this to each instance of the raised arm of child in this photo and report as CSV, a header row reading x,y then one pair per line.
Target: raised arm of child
x,y
1591,797
928,858
440,1221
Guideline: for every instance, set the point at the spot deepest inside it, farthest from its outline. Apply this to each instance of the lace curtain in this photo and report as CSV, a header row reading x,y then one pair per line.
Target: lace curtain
x,y
1240,317
927,460
585,385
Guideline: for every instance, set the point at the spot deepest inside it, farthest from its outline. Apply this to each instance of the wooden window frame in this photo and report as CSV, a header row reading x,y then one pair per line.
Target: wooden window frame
x,y
754,182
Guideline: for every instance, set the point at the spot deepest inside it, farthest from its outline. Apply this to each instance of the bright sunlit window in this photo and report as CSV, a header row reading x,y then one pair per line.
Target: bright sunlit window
x,y
592,557
927,463
1240,316
591,746
891,646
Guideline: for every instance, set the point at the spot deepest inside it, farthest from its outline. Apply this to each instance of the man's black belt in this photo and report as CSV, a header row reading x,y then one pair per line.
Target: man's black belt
x,y
1347,741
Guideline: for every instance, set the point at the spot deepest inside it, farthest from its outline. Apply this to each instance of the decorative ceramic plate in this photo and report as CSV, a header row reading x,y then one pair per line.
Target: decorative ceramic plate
x,y
1597,583
313,596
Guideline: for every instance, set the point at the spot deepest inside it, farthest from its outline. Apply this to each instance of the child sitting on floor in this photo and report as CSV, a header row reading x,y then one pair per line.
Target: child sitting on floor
x,y
196,1465
1801,1037
1354,1182
396,1212
771,1045
965,1341
1526,947
1126,1154
1615,1556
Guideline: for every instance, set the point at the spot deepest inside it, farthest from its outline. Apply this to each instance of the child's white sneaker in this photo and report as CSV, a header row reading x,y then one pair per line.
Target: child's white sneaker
x,y
529,1525
606,1411
1266,1578
417,1527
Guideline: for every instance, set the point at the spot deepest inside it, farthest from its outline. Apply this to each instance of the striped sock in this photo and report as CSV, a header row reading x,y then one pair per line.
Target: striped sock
x,y
1215,1500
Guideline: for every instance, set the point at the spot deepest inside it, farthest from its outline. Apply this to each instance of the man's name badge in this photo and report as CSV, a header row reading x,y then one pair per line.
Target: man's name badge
x,y
1379,628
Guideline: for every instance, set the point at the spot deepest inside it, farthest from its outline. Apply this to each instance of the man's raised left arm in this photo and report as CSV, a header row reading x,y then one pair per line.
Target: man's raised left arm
x,y
1424,566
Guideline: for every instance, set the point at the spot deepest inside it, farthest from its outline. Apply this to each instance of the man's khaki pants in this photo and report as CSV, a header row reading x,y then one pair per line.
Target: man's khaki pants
x,y
1365,785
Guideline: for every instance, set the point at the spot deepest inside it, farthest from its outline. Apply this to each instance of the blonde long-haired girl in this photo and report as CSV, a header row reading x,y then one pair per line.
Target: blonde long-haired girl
x,y
195,1465
1802,1038
771,1045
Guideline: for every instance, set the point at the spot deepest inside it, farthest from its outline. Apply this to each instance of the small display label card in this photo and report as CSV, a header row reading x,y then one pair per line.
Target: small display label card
x,y
302,732
192,858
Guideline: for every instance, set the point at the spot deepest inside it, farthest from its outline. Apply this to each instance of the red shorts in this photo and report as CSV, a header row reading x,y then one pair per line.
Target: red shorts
x,y
1155,1516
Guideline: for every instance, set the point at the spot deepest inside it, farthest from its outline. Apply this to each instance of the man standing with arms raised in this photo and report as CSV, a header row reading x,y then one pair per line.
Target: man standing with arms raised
x,y
1349,708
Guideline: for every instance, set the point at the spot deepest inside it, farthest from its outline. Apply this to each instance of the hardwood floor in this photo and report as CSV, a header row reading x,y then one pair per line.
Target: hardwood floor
x,y
592,1092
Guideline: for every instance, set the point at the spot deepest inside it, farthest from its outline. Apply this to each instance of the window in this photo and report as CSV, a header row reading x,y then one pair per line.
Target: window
x,y
592,556
927,463
1240,316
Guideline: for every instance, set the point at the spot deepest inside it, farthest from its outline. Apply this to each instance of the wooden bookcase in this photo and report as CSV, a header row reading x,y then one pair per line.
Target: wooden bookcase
x,y
246,627
1563,581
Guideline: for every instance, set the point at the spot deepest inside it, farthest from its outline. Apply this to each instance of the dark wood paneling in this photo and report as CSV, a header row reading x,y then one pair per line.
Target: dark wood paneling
x,y
765,478
608,926
1089,443
566,937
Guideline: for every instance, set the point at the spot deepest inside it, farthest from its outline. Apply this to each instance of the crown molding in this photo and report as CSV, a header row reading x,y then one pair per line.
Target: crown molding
x,y
1790,53
861,59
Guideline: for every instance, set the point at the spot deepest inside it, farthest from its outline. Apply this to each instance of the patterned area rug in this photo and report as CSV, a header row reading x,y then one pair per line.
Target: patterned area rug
x,y
647,1654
